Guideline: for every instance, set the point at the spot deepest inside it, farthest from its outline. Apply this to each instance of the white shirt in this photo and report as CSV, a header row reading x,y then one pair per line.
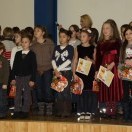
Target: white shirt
x,y
13,53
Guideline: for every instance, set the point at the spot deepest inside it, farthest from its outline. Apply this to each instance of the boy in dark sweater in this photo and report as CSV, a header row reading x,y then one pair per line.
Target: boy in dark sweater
x,y
24,75
4,74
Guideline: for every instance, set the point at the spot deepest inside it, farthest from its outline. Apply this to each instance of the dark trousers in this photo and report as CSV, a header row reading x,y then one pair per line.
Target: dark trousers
x,y
127,99
3,102
43,91
23,94
87,102
63,99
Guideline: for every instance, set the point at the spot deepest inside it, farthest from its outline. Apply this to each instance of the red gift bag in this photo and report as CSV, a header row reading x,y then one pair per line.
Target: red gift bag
x,y
77,86
59,83
12,92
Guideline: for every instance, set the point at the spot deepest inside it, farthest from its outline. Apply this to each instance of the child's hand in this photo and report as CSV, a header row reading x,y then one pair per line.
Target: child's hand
x,y
110,66
60,26
4,86
75,77
57,73
87,58
31,84
96,73
13,82
119,74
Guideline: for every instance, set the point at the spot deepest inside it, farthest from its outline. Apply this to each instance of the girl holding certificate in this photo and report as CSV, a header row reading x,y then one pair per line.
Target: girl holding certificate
x,y
87,101
108,56
125,72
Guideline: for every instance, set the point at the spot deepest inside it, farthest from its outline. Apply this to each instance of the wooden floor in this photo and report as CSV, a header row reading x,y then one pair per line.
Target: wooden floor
x,y
53,124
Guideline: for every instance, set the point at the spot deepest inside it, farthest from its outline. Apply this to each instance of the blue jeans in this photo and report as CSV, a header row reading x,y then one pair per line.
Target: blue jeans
x,y
3,102
43,91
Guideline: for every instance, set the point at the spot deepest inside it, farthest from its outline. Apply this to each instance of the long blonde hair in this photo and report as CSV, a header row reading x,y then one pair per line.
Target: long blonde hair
x,y
87,19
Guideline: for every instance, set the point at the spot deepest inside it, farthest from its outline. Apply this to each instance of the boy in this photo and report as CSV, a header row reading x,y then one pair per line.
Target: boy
x,y
4,74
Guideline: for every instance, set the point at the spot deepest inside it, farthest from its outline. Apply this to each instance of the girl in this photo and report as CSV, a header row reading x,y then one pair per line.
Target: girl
x,y
4,74
74,41
17,48
24,75
87,102
122,29
43,48
108,56
8,42
126,59
61,62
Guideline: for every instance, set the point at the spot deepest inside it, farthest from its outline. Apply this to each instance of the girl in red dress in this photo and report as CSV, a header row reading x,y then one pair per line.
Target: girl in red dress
x,y
108,50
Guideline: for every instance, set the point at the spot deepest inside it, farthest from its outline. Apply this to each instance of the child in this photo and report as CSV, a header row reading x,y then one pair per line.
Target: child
x,y
43,48
87,103
4,74
74,41
122,29
8,42
61,62
107,55
17,48
24,75
126,59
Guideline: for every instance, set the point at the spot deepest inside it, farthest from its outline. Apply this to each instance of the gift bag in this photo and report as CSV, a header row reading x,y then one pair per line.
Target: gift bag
x,y
12,92
77,86
95,86
59,83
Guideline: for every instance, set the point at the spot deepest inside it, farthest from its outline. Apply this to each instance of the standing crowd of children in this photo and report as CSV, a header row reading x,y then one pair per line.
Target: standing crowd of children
x,y
29,60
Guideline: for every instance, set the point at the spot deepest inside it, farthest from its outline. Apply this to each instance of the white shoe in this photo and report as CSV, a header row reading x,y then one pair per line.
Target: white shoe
x,y
82,116
87,116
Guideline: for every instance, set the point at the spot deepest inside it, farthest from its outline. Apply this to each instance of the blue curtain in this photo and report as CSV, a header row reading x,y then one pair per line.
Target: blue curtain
x,y
46,15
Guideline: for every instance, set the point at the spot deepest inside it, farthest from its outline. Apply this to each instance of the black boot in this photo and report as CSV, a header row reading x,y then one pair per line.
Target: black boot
x,y
49,109
58,108
74,108
126,111
67,108
130,110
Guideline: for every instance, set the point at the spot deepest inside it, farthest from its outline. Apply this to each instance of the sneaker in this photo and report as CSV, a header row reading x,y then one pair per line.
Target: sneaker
x,y
16,115
82,116
87,116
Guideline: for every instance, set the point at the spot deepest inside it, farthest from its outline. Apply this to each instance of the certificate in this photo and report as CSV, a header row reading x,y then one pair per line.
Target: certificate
x,y
83,66
105,76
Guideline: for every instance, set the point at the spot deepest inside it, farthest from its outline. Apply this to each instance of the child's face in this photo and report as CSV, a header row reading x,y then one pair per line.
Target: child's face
x,y
38,33
107,30
17,38
25,43
85,37
128,35
74,33
63,38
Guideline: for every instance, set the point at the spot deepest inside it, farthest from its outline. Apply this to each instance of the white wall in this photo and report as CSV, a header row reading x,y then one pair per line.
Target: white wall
x,y
16,13
69,11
